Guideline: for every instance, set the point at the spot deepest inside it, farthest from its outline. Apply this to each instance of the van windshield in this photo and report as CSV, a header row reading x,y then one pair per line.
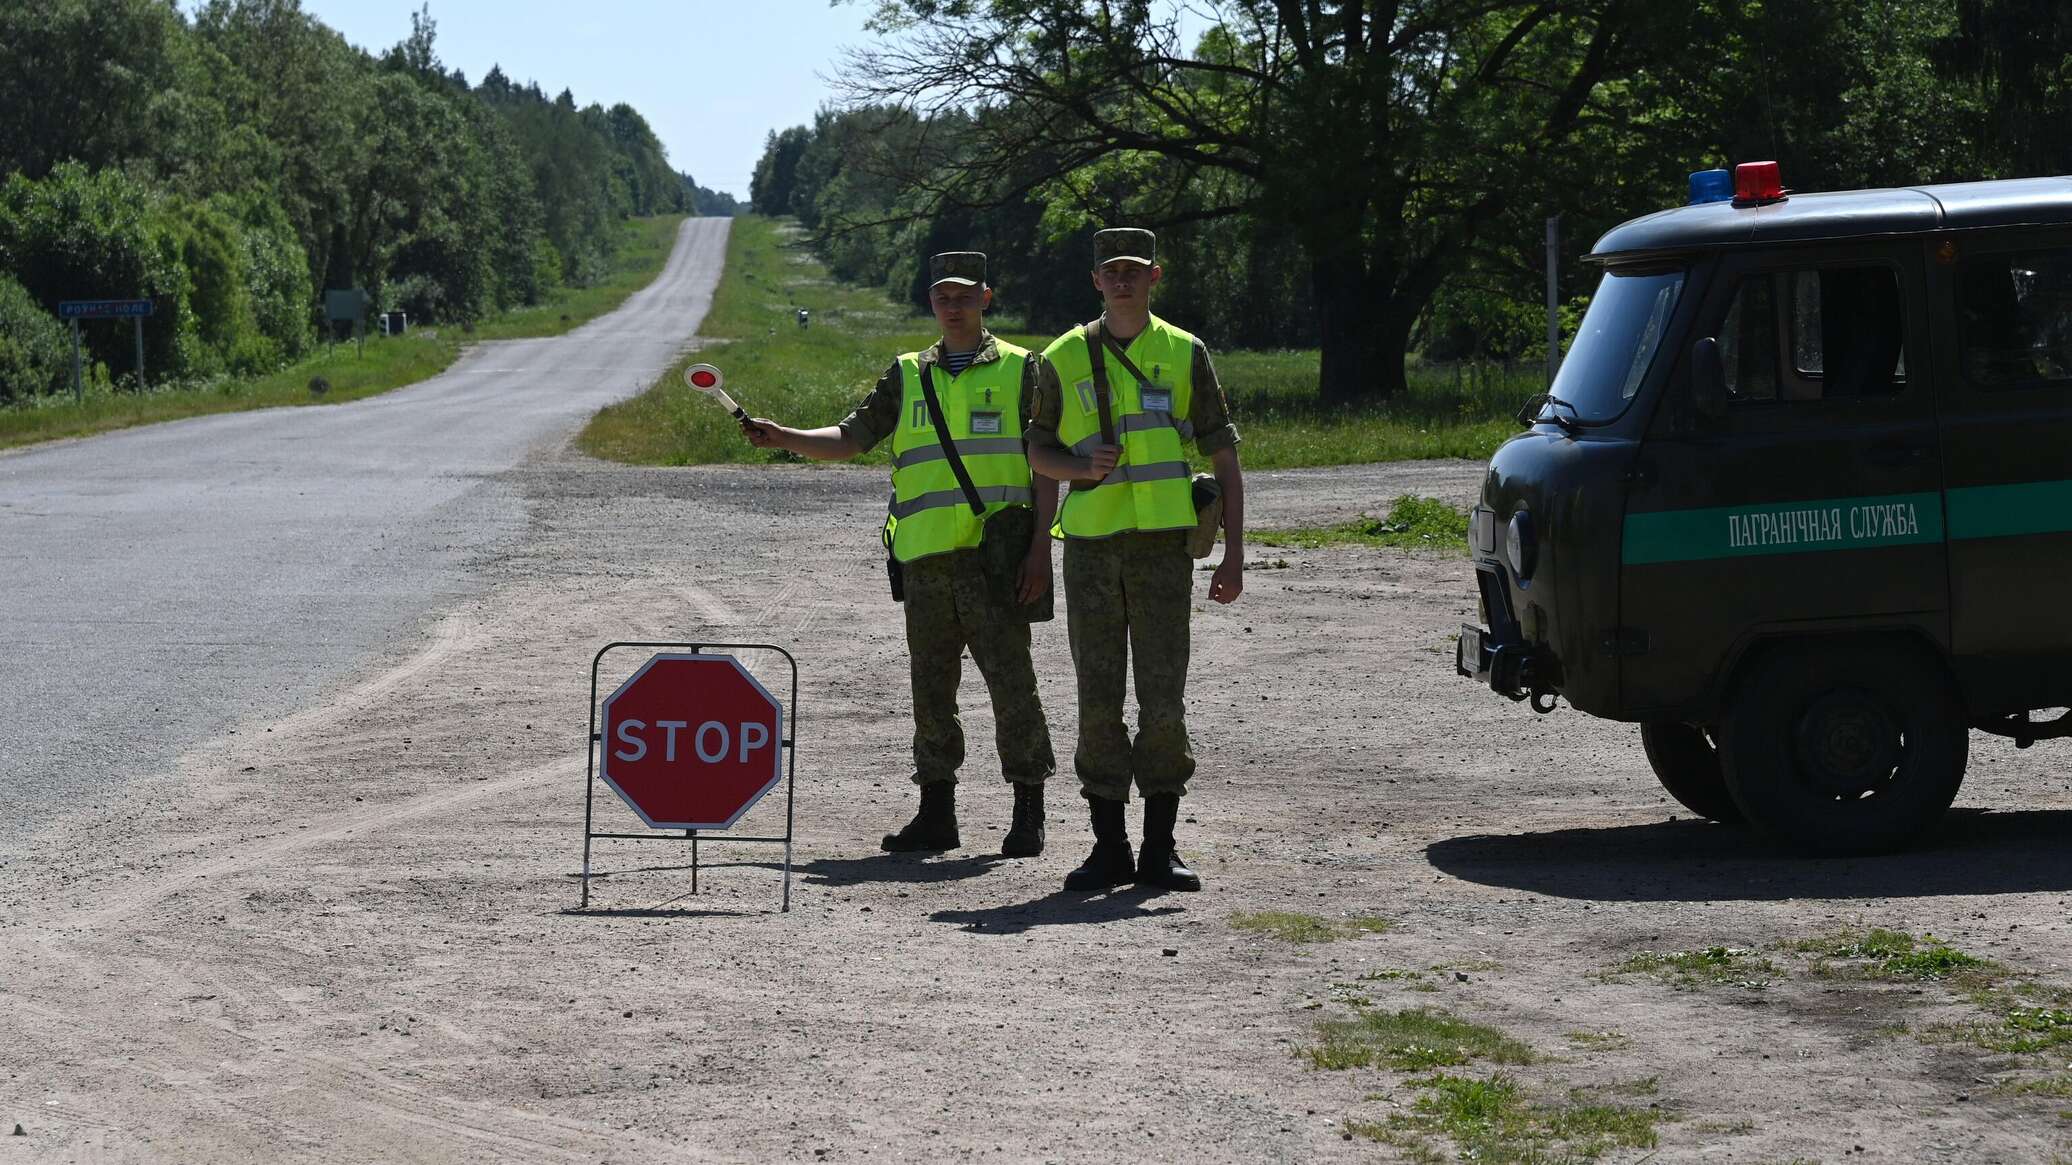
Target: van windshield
x,y
1617,342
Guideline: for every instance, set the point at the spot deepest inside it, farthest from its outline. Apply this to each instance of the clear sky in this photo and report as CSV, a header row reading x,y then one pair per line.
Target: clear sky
x,y
711,76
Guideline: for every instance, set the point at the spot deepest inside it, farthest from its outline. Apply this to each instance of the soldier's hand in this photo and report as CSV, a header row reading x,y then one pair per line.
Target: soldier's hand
x,y
762,433
1034,577
1229,580
1102,463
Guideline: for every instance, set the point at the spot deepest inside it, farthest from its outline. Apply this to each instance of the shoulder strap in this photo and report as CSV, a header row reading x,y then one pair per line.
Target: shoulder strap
x,y
1129,367
949,446
1096,339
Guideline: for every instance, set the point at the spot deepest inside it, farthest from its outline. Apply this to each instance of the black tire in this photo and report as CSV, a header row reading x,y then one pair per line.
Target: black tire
x,y
1849,747
1688,766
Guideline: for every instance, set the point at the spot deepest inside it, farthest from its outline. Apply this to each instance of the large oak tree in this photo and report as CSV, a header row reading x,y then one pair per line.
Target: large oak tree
x,y
1381,136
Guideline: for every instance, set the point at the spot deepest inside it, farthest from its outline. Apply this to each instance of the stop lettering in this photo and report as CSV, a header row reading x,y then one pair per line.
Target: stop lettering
x,y
692,741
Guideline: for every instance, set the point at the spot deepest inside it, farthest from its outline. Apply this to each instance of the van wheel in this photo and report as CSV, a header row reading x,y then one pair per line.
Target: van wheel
x,y
1688,766
1848,748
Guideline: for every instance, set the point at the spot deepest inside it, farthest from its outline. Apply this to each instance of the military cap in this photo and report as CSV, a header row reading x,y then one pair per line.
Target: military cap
x,y
1132,243
966,267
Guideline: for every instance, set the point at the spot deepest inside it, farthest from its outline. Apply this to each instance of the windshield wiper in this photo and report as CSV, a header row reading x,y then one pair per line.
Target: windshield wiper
x,y
1529,412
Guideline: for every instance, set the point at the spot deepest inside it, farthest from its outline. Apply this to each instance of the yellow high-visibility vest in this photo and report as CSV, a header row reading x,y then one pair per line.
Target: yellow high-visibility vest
x,y
1151,486
983,408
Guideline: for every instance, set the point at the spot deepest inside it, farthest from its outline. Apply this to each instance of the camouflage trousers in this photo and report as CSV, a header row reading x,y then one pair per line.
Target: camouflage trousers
x,y
950,607
1132,591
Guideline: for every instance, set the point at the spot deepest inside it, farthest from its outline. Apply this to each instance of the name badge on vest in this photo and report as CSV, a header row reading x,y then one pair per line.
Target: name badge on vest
x,y
986,422
1156,399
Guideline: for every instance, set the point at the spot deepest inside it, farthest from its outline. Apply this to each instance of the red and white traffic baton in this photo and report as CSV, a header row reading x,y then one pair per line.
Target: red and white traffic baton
x,y
709,380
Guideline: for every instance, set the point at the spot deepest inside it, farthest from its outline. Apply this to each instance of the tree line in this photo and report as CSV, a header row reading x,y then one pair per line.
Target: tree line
x,y
1371,177
234,164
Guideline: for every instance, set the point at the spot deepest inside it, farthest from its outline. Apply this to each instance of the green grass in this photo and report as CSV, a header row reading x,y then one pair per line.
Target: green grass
x,y
1307,928
1599,1041
1490,1121
1390,975
1411,1040
1411,523
2013,1029
2052,1087
352,371
814,377
1454,411
1892,954
1719,966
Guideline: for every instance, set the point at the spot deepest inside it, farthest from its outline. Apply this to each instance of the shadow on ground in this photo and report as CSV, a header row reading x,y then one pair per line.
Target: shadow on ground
x,y
1063,908
1970,852
910,868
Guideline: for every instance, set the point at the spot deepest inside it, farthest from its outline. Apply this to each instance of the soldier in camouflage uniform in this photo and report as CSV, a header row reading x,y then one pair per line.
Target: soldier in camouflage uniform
x,y
960,596
1118,433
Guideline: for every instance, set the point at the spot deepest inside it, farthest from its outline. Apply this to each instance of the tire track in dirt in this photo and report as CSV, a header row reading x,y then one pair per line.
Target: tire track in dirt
x,y
708,605
120,904
266,1055
453,635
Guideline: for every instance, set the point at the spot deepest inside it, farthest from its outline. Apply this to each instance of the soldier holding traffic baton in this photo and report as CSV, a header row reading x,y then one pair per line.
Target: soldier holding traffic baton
x,y
968,539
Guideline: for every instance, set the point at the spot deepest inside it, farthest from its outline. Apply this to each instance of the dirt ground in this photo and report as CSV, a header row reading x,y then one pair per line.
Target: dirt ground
x,y
349,935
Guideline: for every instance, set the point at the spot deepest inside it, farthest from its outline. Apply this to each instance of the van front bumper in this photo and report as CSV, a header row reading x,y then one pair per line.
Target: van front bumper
x,y
1510,669
1499,655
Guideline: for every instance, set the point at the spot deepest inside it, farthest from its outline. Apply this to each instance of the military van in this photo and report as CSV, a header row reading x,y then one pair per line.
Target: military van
x,y
1799,500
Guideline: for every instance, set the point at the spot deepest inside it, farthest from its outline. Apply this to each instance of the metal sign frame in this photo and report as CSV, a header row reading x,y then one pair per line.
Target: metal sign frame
x,y
134,310
788,717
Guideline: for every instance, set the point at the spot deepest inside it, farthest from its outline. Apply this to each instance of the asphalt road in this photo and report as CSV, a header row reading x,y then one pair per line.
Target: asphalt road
x,y
160,585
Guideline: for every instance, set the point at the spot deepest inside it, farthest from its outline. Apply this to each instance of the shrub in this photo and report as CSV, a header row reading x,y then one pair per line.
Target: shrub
x,y
35,355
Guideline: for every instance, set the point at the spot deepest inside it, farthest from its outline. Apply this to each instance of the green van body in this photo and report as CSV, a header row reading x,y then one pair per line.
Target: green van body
x,y
1804,481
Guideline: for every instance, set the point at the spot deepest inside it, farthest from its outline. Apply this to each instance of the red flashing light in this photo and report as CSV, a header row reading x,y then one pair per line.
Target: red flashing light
x,y
1758,184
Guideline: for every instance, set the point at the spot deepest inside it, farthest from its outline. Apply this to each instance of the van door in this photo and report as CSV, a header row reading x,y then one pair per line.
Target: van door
x,y
2007,448
1815,503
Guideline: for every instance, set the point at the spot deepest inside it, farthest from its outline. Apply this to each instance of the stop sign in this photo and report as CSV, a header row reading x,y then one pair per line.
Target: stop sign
x,y
692,741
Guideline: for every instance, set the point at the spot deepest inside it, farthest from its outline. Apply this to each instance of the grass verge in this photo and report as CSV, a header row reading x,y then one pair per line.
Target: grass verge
x,y
350,371
811,377
1411,523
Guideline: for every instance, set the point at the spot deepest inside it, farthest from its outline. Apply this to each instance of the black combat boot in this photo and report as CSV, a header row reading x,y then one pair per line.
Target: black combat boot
x,y
934,827
1159,864
1025,836
1109,864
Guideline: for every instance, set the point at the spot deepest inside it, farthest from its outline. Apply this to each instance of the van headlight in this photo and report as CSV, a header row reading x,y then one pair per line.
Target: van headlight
x,y
1521,547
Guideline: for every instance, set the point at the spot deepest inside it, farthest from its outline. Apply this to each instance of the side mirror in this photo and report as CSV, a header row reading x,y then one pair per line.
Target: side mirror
x,y
1708,380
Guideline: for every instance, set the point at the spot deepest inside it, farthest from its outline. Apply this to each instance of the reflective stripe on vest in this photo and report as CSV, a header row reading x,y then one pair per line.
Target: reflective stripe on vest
x,y
975,447
929,513
1149,489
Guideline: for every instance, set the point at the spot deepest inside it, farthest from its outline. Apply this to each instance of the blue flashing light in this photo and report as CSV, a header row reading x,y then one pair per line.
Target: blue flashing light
x,y
1711,186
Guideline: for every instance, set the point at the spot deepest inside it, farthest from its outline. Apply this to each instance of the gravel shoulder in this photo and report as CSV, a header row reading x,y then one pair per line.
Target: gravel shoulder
x,y
348,933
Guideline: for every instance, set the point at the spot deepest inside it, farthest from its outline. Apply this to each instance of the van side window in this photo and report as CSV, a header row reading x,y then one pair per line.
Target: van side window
x,y
1815,334
2015,317
1748,341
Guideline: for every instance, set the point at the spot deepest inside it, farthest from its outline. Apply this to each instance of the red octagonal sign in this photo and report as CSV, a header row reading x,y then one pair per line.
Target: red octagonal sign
x,y
692,741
